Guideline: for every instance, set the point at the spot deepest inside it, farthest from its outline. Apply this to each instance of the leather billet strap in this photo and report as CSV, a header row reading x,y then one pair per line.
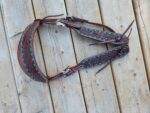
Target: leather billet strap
x,y
26,56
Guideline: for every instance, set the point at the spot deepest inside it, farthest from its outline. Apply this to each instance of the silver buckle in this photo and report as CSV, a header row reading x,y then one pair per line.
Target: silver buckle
x,y
65,72
60,24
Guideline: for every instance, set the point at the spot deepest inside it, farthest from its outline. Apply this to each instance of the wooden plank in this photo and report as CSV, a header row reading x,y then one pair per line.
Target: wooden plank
x,y
1,109
58,54
34,96
142,8
99,91
129,72
8,93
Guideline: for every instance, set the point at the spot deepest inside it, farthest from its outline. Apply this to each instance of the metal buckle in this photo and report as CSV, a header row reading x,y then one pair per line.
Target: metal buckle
x,y
66,72
60,24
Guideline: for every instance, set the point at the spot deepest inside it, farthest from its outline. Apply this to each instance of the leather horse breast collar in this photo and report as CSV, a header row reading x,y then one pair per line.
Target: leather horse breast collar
x,y
28,62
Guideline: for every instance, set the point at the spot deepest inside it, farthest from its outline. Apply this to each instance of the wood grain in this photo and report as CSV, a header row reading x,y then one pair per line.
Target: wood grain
x,y
34,96
8,94
58,54
142,8
119,88
99,91
129,72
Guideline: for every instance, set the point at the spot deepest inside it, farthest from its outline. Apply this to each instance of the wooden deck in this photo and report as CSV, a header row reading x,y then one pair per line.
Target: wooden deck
x,y
122,87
